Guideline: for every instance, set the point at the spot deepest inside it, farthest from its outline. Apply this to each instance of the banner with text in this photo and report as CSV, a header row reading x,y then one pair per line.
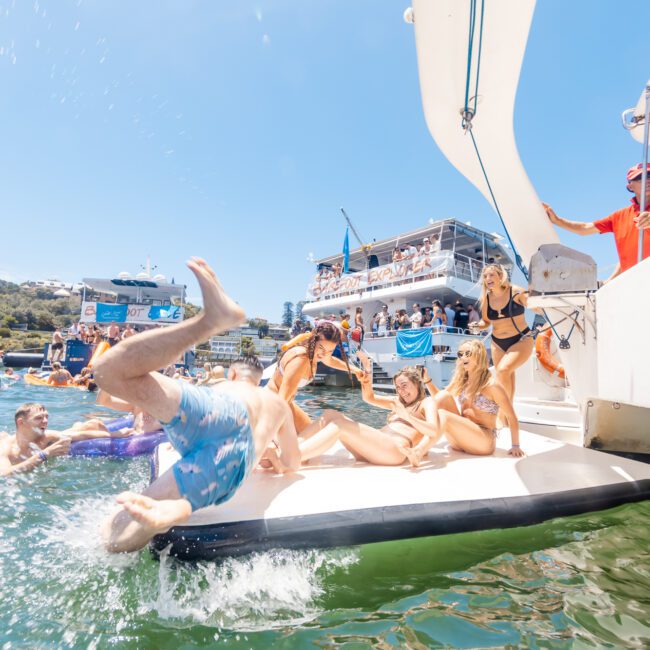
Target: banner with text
x,y
100,312
422,265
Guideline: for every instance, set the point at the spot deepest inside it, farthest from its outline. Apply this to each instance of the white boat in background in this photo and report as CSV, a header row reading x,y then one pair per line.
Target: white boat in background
x,y
448,273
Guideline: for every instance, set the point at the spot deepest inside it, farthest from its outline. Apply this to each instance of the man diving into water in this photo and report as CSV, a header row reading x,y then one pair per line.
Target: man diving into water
x,y
220,433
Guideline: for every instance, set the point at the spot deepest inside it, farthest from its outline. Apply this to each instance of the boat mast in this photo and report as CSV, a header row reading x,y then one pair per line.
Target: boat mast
x,y
355,233
644,173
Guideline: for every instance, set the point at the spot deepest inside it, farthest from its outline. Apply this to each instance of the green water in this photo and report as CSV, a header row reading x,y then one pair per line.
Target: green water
x,y
581,582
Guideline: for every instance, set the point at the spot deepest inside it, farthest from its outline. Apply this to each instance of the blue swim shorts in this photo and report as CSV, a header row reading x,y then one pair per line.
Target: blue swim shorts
x,y
212,433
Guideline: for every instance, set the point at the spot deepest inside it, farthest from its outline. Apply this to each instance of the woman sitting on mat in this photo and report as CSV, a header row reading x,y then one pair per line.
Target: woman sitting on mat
x,y
408,425
503,306
467,409
298,365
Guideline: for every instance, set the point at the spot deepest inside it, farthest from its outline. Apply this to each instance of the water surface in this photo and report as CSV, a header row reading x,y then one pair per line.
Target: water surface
x,y
580,582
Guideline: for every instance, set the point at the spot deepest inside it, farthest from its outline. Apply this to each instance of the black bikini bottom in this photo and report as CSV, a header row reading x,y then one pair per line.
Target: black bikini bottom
x,y
508,342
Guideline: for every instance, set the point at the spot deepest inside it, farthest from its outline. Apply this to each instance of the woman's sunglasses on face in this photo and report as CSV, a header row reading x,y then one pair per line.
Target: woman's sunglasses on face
x,y
464,353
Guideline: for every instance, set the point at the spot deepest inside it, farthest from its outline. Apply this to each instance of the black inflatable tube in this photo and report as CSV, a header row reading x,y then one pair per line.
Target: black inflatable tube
x,y
364,526
22,359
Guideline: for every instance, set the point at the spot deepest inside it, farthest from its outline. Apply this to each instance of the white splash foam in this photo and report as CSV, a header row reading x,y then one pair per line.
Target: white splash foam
x,y
258,591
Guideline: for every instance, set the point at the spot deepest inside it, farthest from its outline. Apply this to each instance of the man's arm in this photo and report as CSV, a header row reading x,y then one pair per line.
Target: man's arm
x,y
7,469
576,227
615,272
58,448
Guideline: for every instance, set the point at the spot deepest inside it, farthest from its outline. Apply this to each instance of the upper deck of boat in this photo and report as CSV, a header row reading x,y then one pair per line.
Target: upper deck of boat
x,y
453,261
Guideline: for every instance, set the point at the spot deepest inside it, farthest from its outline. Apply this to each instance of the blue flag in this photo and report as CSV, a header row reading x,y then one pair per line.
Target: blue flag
x,y
346,252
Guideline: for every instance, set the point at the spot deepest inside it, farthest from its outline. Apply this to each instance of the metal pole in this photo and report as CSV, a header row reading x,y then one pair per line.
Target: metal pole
x,y
644,173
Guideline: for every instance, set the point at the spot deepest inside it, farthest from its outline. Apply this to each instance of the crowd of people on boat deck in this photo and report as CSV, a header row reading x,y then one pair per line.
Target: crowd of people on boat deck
x,y
402,253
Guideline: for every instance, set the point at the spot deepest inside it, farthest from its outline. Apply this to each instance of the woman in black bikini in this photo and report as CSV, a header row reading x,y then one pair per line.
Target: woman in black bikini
x,y
503,306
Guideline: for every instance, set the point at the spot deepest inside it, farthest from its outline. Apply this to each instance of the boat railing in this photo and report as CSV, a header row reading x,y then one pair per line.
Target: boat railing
x,y
438,330
442,263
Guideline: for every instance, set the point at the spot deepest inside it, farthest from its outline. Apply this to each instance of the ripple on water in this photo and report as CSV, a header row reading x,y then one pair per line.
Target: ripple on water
x,y
582,581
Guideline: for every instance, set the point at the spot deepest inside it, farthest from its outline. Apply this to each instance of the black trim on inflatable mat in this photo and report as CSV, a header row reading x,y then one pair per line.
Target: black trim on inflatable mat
x,y
367,525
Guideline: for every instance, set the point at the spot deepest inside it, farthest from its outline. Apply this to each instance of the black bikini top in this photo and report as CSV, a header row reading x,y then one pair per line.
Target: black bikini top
x,y
509,310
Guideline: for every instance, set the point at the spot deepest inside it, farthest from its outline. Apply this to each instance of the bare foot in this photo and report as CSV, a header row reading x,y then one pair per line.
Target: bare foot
x,y
157,516
219,310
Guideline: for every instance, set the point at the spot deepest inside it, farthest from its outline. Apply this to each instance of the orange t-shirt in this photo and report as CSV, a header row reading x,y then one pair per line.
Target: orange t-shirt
x,y
626,235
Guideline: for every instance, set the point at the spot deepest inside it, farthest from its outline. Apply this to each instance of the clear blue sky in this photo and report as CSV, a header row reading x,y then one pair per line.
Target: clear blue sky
x,y
235,130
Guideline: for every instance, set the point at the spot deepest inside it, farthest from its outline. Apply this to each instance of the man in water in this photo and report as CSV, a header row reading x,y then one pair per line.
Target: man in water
x,y
128,331
624,223
56,348
113,334
59,376
221,433
34,444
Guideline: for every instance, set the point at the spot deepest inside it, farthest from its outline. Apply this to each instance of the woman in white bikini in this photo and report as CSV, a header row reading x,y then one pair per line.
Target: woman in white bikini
x,y
467,409
410,421
298,365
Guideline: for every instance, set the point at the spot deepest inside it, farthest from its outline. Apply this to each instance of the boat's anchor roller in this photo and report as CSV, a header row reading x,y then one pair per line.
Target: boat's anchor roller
x,y
558,269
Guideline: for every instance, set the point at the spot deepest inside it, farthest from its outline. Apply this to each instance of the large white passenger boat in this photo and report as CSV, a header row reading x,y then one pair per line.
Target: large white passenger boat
x,y
448,270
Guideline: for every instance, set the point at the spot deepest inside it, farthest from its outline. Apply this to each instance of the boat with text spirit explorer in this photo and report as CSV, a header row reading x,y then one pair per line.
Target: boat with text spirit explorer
x,y
441,261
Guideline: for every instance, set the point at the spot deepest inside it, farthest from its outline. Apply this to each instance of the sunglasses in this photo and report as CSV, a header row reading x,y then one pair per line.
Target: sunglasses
x,y
464,353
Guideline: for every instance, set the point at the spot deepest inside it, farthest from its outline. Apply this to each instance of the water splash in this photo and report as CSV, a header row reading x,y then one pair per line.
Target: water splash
x,y
259,591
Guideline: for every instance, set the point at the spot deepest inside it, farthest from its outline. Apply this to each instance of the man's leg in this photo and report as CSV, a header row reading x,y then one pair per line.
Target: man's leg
x,y
144,515
127,370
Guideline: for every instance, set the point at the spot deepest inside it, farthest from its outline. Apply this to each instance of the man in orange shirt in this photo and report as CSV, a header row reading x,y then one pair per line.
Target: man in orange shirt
x,y
624,223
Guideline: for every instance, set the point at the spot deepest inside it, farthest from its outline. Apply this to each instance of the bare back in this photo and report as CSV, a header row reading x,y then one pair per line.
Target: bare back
x,y
269,415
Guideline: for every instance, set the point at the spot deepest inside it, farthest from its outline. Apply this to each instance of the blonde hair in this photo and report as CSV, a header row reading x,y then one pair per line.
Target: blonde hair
x,y
501,271
461,380
413,375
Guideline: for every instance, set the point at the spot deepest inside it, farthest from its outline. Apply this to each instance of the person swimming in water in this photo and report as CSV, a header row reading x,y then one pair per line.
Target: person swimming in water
x,y
59,376
297,367
410,421
221,433
467,409
35,444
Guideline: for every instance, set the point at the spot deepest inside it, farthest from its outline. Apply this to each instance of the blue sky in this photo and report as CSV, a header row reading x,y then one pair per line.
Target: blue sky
x,y
235,131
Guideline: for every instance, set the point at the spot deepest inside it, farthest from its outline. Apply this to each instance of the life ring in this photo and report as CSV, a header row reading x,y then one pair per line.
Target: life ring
x,y
295,341
99,350
543,354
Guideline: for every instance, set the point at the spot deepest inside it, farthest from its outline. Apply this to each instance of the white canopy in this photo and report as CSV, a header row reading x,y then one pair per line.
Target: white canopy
x,y
442,41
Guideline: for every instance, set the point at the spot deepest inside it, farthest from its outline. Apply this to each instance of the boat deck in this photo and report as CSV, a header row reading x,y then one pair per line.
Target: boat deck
x,y
336,501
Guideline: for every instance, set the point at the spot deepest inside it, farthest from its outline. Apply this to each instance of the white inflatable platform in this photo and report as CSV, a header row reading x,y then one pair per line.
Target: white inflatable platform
x,y
335,501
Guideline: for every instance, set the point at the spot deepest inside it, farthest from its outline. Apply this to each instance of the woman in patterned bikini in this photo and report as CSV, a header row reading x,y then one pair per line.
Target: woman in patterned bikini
x,y
467,409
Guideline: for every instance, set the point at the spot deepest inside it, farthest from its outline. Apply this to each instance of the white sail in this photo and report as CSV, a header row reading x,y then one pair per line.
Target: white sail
x,y
442,40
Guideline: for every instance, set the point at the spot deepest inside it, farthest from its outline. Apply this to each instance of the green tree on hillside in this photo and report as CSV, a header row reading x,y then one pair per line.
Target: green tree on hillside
x,y
287,314
299,305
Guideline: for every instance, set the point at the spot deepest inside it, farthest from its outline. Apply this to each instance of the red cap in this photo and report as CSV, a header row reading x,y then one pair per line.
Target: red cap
x,y
635,172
